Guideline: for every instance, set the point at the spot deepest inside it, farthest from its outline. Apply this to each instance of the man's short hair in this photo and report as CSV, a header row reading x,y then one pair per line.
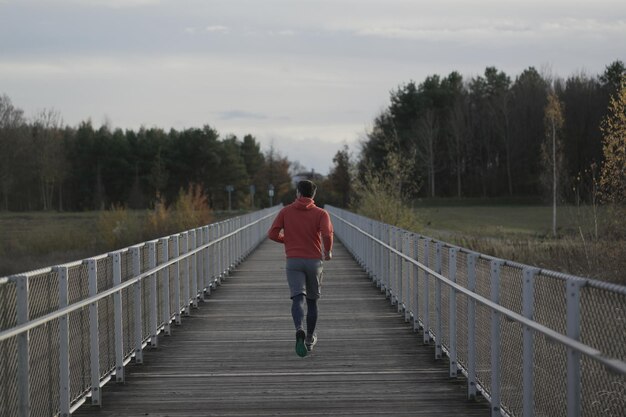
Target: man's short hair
x,y
306,188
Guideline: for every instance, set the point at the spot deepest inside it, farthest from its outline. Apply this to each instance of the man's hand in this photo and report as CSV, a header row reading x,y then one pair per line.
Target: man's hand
x,y
328,256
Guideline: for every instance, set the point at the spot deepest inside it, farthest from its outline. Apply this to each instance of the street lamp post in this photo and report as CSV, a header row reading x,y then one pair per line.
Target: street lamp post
x,y
271,193
230,189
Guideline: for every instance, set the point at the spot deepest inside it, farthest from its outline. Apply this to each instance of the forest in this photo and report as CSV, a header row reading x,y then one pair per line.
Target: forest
x,y
487,136
481,137
47,166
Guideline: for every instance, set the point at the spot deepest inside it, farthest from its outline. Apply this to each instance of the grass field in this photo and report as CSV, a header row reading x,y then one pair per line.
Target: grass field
x,y
505,221
35,240
517,232
584,244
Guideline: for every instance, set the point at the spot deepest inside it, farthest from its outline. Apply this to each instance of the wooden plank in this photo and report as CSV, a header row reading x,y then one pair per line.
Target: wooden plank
x,y
234,356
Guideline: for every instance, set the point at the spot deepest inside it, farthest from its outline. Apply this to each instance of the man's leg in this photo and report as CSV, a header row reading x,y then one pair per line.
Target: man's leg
x,y
311,315
297,311
311,321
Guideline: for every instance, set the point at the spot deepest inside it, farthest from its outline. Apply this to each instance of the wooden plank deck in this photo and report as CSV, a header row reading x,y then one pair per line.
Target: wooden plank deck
x,y
234,356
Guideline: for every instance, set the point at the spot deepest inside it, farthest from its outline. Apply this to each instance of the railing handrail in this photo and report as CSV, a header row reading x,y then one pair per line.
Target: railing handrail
x,y
144,289
615,365
581,319
31,324
48,269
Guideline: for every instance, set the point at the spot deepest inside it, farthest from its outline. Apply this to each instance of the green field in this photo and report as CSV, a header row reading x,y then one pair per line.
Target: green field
x,y
34,240
517,232
586,243
505,221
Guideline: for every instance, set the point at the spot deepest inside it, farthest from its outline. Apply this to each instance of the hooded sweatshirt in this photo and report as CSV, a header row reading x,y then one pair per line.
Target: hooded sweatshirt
x,y
301,227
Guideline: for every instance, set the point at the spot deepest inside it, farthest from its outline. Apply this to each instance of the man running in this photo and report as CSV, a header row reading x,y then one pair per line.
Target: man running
x,y
302,227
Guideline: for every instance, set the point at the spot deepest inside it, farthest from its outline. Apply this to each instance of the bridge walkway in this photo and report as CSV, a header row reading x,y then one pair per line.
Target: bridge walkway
x,y
234,355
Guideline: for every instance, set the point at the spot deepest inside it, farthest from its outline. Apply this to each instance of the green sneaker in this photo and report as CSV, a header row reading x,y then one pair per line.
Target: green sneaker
x,y
310,341
300,347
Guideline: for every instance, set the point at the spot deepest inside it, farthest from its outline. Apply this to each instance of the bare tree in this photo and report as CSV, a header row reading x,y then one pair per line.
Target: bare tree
x,y
459,130
552,155
49,155
11,126
427,132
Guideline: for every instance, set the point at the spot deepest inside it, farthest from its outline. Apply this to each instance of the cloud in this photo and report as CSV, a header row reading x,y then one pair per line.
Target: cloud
x,y
217,29
239,114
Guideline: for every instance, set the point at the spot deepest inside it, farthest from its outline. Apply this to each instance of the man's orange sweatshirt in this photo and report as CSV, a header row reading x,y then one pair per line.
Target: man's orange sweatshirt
x,y
301,226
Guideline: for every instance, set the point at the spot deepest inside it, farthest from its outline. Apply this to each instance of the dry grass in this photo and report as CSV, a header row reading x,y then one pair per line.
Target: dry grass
x,y
590,241
41,239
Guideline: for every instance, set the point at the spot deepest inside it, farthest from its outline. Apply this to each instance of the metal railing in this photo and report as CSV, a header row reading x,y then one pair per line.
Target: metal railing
x,y
533,342
65,331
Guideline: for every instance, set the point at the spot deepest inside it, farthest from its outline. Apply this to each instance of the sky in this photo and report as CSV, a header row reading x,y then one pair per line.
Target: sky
x,y
305,77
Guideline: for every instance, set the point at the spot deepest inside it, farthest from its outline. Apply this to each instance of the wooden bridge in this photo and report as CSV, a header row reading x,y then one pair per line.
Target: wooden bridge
x,y
234,355
198,324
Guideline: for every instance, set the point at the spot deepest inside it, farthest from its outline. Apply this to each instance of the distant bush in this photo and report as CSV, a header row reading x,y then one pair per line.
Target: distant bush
x,y
117,227
383,195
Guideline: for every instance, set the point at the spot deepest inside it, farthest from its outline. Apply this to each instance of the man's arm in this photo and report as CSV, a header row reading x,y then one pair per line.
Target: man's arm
x,y
276,231
326,229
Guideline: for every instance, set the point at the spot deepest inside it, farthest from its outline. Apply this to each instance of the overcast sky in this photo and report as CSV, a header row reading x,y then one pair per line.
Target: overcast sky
x,y
305,76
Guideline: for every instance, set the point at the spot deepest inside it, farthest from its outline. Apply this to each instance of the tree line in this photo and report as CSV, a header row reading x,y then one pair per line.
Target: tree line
x,y
45,165
488,136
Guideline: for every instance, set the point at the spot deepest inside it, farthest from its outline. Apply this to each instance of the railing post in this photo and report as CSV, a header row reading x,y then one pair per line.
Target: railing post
x,y
214,257
194,267
386,262
165,288
117,318
471,327
136,259
406,268
426,295
153,299
64,345
438,324
495,339
23,370
378,261
94,333
207,284
573,357
452,253
370,247
189,283
528,364
177,305
416,286
197,285
218,254
395,290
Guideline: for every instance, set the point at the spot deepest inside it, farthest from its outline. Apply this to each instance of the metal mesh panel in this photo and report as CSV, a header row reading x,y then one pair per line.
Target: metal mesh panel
x,y
145,294
511,282
106,330
431,288
483,324
80,368
549,357
8,351
462,310
174,304
128,305
445,299
173,301
43,298
159,278
603,322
